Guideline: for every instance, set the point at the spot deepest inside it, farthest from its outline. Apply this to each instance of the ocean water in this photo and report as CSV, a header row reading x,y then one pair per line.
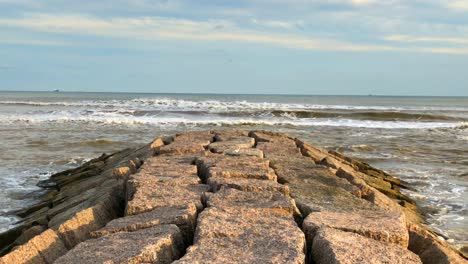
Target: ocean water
x,y
423,140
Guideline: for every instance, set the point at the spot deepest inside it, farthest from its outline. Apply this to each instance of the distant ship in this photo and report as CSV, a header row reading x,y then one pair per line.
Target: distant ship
x,y
56,91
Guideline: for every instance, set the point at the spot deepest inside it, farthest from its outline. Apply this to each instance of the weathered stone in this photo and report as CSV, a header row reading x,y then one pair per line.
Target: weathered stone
x,y
238,235
145,180
203,138
334,246
430,249
314,197
272,202
78,228
159,244
303,170
316,154
43,248
268,136
180,149
29,233
234,167
230,134
147,198
253,152
382,226
157,143
242,172
276,151
237,143
184,218
248,185
121,173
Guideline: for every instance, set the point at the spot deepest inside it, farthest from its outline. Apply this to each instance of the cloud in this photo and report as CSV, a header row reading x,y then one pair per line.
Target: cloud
x,y
458,5
175,29
411,39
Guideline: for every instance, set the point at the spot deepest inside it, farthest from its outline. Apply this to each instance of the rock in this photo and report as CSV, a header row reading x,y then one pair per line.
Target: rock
x,y
272,137
147,198
235,167
237,143
159,244
157,143
203,138
430,249
248,185
229,134
382,226
316,154
184,218
276,151
334,246
43,248
244,152
180,149
78,228
242,172
29,233
273,202
313,197
121,173
239,235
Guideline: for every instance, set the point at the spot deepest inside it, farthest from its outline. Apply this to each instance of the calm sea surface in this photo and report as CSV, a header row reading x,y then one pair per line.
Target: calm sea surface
x,y
423,140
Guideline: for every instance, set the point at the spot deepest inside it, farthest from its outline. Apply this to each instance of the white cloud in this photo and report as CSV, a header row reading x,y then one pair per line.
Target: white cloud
x,y
458,5
411,39
160,28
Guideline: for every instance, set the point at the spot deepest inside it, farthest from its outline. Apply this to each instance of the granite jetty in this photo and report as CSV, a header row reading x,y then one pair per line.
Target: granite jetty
x,y
224,196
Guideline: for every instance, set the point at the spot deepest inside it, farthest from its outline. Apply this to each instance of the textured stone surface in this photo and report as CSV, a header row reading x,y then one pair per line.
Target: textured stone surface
x,y
273,202
334,246
184,218
43,248
253,152
78,228
249,185
147,198
430,249
160,244
245,236
234,143
382,226
221,166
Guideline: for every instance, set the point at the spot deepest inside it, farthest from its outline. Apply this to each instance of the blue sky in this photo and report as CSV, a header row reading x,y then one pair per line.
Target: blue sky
x,y
393,47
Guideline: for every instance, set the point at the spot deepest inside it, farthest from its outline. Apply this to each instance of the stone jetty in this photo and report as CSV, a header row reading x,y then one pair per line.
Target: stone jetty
x,y
224,196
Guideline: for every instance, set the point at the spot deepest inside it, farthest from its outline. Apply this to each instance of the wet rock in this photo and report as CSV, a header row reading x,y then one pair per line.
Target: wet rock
x,y
248,185
382,226
430,249
159,244
238,235
272,202
334,246
184,218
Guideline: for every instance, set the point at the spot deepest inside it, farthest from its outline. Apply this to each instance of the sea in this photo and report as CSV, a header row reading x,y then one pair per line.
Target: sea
x,y
422,140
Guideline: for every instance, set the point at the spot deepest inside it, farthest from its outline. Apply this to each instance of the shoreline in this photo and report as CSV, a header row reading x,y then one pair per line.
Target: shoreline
x,y
111,172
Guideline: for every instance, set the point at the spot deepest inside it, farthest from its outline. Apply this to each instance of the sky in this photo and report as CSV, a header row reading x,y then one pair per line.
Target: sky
x,y
351,47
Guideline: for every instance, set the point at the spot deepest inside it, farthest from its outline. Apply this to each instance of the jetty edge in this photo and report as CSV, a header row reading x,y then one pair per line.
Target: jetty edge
x,y
227,196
